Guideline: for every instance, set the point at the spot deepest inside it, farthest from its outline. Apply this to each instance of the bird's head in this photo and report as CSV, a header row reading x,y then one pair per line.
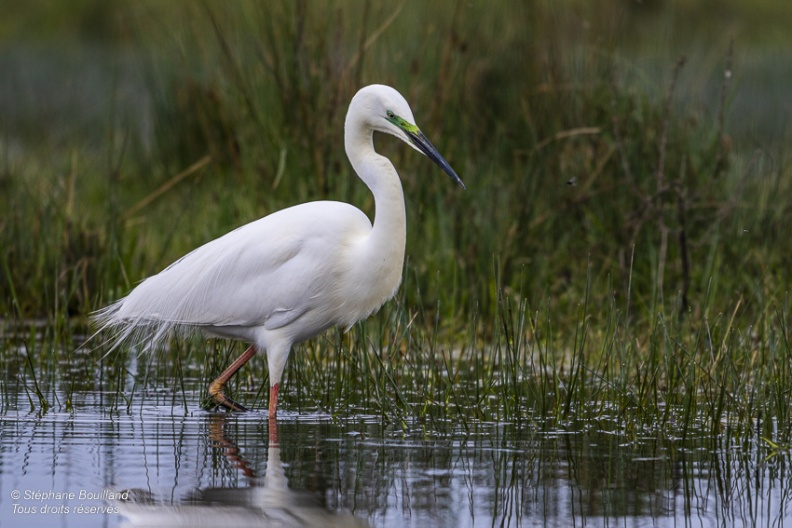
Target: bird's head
x,y
387,111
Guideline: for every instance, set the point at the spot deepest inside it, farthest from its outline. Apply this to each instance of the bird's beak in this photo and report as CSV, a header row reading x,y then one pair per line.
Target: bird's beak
x,y
420,142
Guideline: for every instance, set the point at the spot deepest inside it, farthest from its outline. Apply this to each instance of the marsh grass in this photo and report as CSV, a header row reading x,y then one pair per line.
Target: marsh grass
x,y
619,261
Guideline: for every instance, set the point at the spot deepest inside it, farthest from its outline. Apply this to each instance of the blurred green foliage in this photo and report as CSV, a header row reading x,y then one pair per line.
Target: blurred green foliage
x,y
586,149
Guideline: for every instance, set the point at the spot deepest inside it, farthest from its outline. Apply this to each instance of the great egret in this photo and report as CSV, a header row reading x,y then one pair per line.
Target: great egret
x,y
288,276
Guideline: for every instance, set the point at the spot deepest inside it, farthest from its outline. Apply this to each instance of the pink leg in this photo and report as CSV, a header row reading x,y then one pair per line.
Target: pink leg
x,y
273,414
273,401
216,388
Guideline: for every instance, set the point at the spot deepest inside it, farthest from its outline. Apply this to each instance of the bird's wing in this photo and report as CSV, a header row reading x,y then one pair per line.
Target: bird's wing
x,y
266,273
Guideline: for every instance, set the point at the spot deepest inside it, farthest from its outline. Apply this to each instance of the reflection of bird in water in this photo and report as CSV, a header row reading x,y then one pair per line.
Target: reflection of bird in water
x,y
290,275
268,501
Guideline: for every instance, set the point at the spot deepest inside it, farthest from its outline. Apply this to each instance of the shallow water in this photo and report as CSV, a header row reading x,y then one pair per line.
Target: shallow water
x,y
157,465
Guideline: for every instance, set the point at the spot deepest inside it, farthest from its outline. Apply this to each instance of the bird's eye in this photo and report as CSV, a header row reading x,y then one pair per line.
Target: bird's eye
x,y
390,114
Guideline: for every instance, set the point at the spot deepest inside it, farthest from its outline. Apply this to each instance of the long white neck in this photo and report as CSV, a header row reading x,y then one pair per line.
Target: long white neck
x,y
389,232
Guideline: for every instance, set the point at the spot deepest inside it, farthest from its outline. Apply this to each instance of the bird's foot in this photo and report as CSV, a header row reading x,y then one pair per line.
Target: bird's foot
x,y
218,397
216,393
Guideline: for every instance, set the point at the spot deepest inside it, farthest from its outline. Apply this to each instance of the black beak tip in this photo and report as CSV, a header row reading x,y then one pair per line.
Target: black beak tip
x,y
425,146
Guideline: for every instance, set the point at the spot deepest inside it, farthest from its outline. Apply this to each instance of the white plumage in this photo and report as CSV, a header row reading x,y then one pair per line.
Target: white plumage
x,y
288,276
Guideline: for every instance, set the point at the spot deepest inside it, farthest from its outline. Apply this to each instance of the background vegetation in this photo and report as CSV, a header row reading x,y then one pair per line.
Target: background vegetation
x,y
622,240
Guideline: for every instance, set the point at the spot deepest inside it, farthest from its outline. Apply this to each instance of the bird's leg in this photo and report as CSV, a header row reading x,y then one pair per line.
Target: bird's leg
x,y
273,429
273,415
216,388
273,401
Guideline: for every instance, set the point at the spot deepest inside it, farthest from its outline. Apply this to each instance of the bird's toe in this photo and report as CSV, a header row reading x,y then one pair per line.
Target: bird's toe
x,y
219,398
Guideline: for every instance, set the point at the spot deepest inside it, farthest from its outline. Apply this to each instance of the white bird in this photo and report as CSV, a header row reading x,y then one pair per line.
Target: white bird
x,y
287,277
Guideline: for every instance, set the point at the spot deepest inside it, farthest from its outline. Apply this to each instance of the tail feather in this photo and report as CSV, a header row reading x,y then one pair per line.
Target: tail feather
x,y
148,334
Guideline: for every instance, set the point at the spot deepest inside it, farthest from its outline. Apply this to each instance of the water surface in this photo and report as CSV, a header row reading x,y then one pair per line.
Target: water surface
x,y
156,464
